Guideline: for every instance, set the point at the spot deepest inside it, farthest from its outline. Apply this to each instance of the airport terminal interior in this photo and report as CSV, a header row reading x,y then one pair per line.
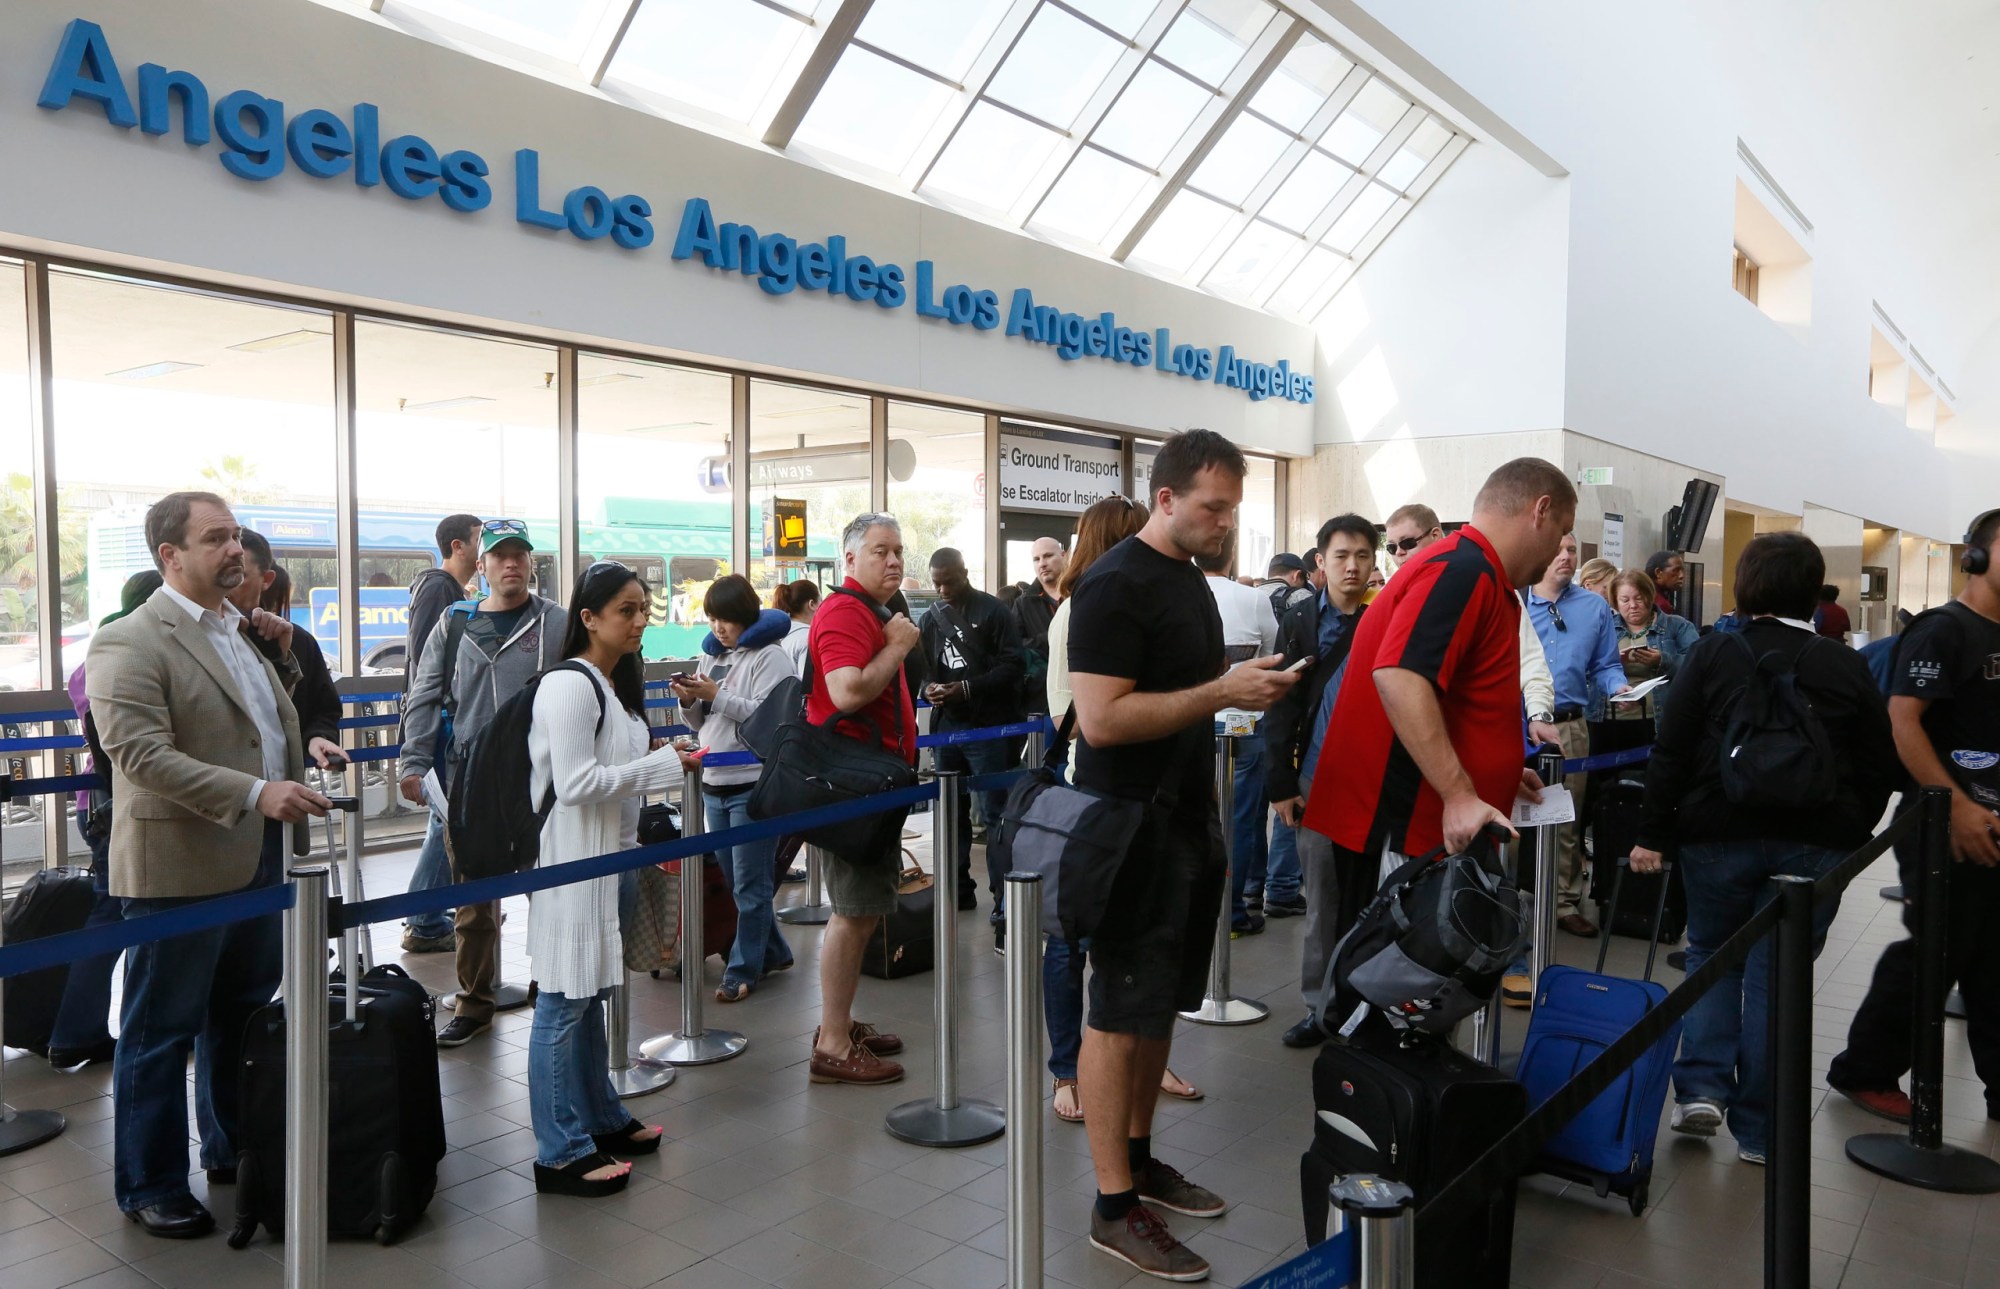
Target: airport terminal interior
x,y
690,284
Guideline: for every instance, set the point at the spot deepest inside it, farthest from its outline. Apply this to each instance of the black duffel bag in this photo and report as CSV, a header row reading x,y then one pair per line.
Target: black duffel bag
x,y
1074,839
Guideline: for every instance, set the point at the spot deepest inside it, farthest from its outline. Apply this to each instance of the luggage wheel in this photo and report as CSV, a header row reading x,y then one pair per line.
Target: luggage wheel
x,y
1637,1199
246,1222
392,1175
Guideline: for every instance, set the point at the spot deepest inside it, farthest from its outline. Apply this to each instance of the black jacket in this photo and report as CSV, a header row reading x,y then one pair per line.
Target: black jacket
x,y
1288,724
1684,797
313,694
991,667
432,592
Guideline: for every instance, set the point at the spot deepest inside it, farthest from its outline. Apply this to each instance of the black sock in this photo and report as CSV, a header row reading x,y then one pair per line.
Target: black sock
x,y
1139,1151
1113,1208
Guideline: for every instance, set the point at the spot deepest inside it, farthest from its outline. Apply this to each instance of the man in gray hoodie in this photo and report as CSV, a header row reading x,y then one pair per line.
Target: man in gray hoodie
x,y
478,656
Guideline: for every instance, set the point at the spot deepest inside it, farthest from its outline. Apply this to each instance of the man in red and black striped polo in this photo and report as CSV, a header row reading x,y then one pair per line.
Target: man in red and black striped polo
x,y
1429,753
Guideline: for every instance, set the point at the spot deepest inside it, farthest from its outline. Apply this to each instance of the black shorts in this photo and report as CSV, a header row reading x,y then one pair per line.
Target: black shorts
x,y
1149,959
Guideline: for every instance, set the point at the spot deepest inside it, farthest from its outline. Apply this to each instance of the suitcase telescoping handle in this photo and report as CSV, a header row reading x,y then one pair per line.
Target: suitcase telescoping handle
x,y
350,889
1659,914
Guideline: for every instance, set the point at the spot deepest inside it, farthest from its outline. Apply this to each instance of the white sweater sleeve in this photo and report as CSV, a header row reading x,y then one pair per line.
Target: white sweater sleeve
x,y
566,709
1538,686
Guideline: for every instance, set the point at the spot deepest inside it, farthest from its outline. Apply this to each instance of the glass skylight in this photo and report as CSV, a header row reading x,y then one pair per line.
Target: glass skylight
x,y
1243,267
1302,83
1310,189
872,111
1373,113
1240,159
1059,62
1152,114
1092,196
1360,216
1210,36
941,36
1183,231
1123,16
721,55
993,157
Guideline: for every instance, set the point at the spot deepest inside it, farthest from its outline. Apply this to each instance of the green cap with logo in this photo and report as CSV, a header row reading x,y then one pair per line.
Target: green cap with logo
x,y
495,531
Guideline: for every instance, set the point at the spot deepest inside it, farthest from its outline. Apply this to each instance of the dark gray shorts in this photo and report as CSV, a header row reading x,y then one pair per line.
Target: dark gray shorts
x,y
864,889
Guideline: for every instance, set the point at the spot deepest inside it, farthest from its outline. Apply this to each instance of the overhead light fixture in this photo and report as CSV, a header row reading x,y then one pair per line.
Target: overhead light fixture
x,y
283,340
150,370
439,405
608,378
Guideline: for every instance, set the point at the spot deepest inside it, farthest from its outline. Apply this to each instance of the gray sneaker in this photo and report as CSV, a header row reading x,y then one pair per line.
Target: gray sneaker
x,y
1163,1185
1141,1239
1699,1117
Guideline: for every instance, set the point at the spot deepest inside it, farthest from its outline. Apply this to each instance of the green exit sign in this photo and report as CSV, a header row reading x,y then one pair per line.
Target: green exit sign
x,y
1599,475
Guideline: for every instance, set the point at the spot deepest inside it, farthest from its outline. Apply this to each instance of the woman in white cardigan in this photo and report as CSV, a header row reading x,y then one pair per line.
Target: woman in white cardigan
x,y
589,745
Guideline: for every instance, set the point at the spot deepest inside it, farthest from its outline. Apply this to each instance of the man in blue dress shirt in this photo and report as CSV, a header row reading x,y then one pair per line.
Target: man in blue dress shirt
x,y
1579,633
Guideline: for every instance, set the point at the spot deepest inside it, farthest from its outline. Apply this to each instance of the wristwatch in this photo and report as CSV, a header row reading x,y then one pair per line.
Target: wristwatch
x,y
1541,718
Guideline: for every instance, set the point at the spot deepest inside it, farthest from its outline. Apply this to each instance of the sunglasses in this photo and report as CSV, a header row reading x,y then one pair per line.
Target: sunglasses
x,y
505,526
1555,616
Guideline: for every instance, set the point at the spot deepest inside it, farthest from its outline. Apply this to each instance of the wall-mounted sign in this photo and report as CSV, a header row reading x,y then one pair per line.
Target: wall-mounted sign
x,y
259,138
1142,471
1594,475
1057,471
1613,545
790,515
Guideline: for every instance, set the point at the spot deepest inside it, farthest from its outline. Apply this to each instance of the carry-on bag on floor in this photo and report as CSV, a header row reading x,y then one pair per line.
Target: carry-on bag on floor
x,y
50,902
1577,1015
1418,1113
1614,825
905,942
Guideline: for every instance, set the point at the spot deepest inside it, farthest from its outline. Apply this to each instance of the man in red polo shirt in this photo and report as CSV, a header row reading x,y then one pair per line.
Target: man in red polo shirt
x,y
1430,752
856,652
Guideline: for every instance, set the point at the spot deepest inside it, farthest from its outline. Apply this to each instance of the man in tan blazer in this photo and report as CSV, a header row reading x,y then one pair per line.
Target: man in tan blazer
x,y
206,763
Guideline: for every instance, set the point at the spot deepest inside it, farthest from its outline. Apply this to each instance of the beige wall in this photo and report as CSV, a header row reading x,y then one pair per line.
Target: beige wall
x,y
1643,488
1373,479
1738,527
1838,536
1880,548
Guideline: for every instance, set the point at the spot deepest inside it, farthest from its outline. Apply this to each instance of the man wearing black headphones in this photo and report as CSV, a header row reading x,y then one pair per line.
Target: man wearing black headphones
x,y
1944,707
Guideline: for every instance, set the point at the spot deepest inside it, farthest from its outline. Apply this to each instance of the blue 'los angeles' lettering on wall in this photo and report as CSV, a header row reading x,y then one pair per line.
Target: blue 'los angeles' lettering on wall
x,y
259,138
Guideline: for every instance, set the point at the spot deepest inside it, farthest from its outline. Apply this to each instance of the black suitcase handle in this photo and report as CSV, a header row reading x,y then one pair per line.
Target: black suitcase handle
x,y
1659,914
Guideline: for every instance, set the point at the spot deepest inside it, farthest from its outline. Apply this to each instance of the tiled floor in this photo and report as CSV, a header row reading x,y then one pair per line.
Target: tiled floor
x,y
768,1180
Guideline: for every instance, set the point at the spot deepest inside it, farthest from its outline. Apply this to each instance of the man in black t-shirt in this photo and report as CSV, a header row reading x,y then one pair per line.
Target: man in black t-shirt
x,y
1944,707
1146,669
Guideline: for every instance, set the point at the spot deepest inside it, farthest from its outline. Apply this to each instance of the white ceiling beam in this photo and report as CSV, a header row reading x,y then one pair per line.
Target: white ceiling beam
x,y
829,43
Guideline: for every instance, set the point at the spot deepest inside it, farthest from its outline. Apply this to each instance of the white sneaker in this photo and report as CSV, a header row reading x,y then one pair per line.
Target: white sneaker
x,y
1697,1118
1750,1156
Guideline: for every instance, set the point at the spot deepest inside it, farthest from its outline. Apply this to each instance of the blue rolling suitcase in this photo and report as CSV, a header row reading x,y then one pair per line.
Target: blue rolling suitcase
x,y
1577,1015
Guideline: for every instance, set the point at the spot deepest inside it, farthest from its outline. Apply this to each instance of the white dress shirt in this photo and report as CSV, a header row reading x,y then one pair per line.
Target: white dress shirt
x,y
225,633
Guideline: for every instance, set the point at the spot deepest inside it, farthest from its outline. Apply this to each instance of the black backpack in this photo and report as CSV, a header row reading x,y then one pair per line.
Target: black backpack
x,y
1775,751
492,825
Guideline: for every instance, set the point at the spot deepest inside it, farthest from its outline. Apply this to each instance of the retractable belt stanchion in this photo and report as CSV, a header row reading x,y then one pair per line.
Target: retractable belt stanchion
x,y
1486,1021
1549,768
306,1079
1218,1006
815,911
20,1129
1788,1177
1024,1082
1922,1158
948,1119
1378,1212
631,1076
695,1044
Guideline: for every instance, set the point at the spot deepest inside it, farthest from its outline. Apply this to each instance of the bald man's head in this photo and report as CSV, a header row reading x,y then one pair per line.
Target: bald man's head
x,y
1049,559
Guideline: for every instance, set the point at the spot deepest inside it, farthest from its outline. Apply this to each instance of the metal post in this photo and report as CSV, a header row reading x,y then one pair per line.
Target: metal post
x,y
1378,1212
1037,745
815,911
1923,1158
1218,1005
1024,1083
1548,765
306,1080
1788,1176
1486,1021
24,1129
506,997
948,1119
348,877
352,888
695,1044
631,1076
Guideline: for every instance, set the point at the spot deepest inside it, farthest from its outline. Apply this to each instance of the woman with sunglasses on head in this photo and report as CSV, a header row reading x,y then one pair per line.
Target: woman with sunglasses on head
x,y
588,746
742,661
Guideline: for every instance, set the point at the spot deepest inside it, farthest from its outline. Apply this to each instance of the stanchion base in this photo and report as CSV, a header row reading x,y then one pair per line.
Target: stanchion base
x,y
1945,1169
805,914
1227,1011
922,1123
694,1049
1954,1005
643,1075
25,1129
1893,893
507,997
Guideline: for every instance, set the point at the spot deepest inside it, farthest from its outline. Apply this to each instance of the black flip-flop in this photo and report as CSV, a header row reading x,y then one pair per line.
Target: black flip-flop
x,y
620,1142
573,1179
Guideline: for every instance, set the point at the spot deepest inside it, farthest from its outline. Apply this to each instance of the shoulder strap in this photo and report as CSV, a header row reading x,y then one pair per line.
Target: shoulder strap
x,y
457,618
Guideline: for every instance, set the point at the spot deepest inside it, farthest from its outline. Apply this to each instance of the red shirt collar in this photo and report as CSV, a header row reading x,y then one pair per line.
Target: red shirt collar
x,y
1485,545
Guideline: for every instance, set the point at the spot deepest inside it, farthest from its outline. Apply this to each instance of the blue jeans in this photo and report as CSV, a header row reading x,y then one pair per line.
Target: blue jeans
x,y
1062,1002
192,993
751,869
1249,846
433,870
1723,1044
1282,876
84,1017
988,757
570,1097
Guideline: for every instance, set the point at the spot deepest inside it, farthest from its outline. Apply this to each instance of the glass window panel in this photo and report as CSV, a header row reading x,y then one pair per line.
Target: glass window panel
x,y
1359,217
1152,114
1058,63
1300,199
20,597
1123,16
1372,114
807,445
1240,158
1182,232
653,493
1421,149
937,481
1257,518
538,24
944,38
445,423
1301,84
872,111
992,157
1208,39
721,55
158,389
1304,282
1244,265
1091,196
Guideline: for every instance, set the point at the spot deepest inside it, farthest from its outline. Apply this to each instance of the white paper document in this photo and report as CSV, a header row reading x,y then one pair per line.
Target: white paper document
x,y
434,795
1639,690
1555,807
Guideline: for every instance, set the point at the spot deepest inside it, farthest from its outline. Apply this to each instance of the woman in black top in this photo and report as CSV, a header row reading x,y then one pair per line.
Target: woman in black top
x,y
1729,852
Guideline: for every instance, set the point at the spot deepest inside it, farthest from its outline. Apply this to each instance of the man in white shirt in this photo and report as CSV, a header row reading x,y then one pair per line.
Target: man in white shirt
x,y
1249,630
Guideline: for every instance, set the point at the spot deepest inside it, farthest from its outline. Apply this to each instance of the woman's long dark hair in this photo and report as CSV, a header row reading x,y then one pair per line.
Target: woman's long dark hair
x,y
596,587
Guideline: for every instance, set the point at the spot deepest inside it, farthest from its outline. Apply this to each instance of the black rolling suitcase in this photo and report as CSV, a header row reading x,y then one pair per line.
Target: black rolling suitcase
x,y
1417,1114
1614,824
50,902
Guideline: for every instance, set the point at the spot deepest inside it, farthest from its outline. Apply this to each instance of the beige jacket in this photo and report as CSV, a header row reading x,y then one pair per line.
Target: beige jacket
x,y
183,752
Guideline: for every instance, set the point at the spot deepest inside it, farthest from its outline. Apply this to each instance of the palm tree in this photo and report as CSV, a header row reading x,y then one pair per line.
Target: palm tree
x,y
234,477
